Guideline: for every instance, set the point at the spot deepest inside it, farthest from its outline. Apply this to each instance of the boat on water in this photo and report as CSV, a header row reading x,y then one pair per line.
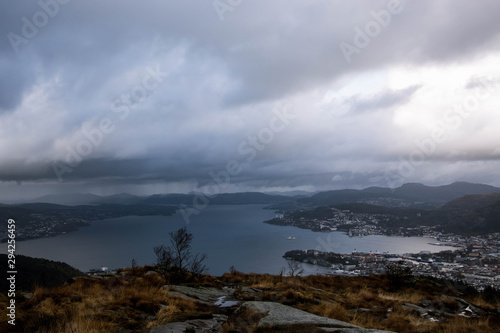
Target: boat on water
x,y
290,238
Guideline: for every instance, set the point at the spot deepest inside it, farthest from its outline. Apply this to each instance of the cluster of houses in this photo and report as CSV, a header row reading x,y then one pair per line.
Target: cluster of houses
x,y
476,262
41,225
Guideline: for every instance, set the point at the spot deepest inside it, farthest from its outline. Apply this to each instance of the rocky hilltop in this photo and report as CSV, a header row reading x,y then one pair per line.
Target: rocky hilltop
x,y
143,300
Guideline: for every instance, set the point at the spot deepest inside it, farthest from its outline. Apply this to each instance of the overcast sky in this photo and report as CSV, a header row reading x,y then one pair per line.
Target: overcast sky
x,y
171,96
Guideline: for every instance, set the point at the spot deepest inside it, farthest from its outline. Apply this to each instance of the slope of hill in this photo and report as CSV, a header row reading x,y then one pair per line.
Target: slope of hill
x,y
35,273
141,300
474,213
472,202
471,214
13,212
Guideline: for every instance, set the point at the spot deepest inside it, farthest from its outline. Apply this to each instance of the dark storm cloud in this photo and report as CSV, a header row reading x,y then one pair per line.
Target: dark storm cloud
x,y
254,42
13,80
224,79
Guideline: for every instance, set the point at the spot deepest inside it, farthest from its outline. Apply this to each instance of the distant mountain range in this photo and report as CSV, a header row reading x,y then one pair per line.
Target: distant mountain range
x,y
221,199
408,195
295,194
73,199
462,207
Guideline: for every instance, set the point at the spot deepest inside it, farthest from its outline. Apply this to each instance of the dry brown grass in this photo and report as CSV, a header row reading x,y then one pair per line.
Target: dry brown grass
x,y
178,309
137,302
332,310
342,297
404,297
104,305
483,304
399,322
466,325
360,298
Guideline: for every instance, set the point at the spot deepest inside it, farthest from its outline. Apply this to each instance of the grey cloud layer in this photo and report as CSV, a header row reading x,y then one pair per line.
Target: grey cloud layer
x,y
386,99
224,78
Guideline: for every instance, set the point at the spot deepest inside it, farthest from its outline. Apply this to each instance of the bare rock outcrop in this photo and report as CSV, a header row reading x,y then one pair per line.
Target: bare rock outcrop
x,y
280,315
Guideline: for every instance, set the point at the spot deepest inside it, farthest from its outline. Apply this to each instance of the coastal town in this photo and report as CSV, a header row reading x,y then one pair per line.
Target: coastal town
x,y
355,224
45,220
41,225
476,261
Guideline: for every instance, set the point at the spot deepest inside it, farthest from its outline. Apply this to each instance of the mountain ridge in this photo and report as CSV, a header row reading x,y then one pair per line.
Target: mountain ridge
x,y
414,195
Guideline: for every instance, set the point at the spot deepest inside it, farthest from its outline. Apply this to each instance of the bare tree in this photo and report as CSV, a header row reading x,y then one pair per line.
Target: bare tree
x,y
163,257
176,260
294,269
196,266
181,247
282,272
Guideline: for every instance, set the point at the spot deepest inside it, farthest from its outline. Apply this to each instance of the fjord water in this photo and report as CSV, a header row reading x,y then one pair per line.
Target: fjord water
x,y
229,235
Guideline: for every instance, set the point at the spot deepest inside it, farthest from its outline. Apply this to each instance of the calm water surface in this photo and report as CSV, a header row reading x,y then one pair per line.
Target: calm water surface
x,y
229,235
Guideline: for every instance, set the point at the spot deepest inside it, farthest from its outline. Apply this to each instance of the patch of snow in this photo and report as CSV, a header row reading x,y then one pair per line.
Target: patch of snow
x,y
221,302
